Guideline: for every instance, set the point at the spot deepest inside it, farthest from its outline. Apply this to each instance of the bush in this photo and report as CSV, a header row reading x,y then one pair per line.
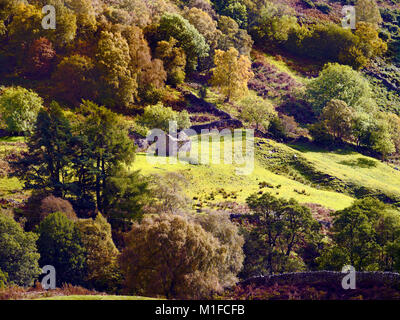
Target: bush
x,y
158,116
168,255
102,255
19,108
340,82
53,204
18,253
60,245
220,226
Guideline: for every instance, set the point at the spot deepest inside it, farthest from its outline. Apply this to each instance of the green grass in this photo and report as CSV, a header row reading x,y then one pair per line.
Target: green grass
x,y
205,179
12,139
354,168
96,297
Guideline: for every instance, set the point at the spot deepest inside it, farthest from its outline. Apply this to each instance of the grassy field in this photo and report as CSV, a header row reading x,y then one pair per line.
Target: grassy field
x,y
354,168
207,180
96,297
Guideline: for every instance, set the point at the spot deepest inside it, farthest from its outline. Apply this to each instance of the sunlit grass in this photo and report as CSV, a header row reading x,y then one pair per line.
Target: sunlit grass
x,y
205,179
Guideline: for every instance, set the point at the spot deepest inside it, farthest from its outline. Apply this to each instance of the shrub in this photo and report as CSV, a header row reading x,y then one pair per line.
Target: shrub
x,y
19,108
53,204
18,253
158,116
170,256
102,255
340,82
220,226
60,245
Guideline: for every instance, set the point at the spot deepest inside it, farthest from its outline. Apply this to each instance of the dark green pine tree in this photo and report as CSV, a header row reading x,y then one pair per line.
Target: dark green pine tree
x,y
45,165
124,197
107,145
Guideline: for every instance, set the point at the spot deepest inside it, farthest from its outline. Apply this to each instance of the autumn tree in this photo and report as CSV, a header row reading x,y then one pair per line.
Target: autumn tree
x,y
117,86
168,193
368,11
256,111
231,74
52,204
74,79
40,57
102,256
85,16
228,234
170,256
339,118
66,23
174,60
149,73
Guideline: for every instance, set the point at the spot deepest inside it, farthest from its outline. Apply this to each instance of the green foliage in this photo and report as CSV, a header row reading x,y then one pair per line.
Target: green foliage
x,y
18,253
340,82
234,9
46,164
256,110
362,236
19,108
76,162
104,144
158,117
320,134
3,279
189,39
331,42
274,23
60,245
125,195
281,228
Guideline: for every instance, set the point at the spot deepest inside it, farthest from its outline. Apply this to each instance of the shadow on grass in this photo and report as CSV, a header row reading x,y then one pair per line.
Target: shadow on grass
x,y
308,147
360,163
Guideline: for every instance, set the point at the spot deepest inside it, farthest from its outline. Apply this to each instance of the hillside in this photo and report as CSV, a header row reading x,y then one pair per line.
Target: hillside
x,y
183,149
